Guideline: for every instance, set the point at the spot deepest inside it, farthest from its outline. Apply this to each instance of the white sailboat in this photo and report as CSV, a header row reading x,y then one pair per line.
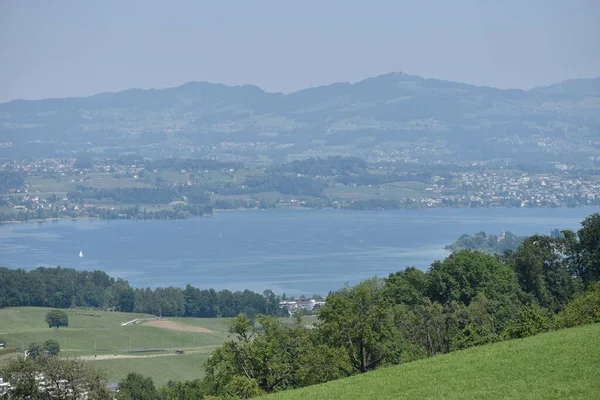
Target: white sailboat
x,y
80,254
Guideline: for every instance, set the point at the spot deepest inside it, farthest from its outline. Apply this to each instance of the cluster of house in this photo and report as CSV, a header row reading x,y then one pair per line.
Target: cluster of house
x,y
303,304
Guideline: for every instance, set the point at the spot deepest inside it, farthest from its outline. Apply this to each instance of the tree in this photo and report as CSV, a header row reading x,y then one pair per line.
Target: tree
x,y
407,287
270,358
464,275
531,320
242,387
587,259
423,326
34,350
121,296
137,387
57,318
542,271
51,347
461,276
63,379
359,320
584,309
242,327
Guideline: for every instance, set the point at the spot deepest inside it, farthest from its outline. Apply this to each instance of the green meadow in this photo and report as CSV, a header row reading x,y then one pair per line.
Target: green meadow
x,y
161,369
100,333
563,364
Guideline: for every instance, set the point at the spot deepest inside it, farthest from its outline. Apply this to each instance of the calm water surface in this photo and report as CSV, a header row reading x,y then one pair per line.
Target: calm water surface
x,y
291,251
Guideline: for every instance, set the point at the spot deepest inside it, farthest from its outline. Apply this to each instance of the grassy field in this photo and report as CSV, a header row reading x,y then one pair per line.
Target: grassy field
x,y
160,369
396,190
559,365
100,333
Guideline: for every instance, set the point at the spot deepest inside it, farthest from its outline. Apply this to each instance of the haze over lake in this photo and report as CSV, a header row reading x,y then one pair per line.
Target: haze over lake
x,y
291,251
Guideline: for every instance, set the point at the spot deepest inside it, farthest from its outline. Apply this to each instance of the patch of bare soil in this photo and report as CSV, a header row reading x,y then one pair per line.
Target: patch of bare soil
x,y
166,324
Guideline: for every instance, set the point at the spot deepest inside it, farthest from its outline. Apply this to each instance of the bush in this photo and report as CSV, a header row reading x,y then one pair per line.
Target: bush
x,y
530,320
51,347
584,309
244,388
136,386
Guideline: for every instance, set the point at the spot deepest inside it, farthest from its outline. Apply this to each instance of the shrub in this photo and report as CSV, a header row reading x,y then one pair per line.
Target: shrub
x,y
530,320
584,309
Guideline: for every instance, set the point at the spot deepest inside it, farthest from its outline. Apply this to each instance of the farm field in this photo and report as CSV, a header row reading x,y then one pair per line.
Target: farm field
x,y
148,347
396,190
558,365
160,369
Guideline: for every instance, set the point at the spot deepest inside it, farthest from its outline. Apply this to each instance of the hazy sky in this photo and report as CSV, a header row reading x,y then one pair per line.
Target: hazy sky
x,y
73,48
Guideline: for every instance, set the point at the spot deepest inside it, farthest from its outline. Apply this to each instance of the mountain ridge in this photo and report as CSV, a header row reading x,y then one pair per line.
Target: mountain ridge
x,y
595,80
412,117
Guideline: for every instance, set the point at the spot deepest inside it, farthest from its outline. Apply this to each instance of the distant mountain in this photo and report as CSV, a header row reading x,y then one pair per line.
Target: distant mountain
x,y
389,117
572,88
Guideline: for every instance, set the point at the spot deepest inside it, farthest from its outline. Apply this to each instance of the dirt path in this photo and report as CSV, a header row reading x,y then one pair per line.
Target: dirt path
x,y
122,356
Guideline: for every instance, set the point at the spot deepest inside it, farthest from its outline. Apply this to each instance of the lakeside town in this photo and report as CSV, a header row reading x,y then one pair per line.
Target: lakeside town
x,y
79,188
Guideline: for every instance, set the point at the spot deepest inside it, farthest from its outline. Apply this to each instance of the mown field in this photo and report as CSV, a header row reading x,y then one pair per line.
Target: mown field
x,y
161,369
99,333
395,190
558,365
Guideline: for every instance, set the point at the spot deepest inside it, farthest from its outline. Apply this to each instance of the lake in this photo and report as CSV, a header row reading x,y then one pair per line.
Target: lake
x,y
291,251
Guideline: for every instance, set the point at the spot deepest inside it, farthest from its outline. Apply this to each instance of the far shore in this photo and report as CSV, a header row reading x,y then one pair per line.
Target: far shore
x,y
228,210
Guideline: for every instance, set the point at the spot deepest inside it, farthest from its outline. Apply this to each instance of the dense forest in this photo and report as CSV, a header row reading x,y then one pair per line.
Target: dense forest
x,y
64,288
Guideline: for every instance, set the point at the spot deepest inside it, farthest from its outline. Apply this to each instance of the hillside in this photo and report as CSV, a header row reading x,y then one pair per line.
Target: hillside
x,y
148,348
556,365
389,117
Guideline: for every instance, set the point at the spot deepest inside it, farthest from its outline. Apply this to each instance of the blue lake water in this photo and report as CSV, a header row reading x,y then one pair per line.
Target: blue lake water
x,y
291,251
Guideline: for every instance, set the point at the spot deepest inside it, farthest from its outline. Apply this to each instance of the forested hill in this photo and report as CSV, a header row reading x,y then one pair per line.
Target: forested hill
x,y
393,116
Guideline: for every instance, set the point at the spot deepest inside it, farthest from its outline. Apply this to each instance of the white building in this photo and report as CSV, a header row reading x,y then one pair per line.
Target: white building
x,y
306,304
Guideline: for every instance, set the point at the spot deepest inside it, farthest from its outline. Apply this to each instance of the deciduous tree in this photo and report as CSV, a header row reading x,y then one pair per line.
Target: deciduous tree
x,y
359,320
57,318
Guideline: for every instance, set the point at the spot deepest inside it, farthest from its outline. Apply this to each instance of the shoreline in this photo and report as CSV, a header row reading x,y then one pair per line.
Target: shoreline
x,y
241,209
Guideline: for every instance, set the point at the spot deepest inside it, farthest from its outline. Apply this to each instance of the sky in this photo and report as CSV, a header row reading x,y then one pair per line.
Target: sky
x,y
77,48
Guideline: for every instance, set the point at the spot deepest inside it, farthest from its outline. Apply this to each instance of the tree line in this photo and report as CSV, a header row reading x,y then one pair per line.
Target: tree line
x,y
158,195
65,288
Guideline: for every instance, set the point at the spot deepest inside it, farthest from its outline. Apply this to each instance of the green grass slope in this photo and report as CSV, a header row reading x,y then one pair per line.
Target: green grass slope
x,y
100,333
160,369
559,365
